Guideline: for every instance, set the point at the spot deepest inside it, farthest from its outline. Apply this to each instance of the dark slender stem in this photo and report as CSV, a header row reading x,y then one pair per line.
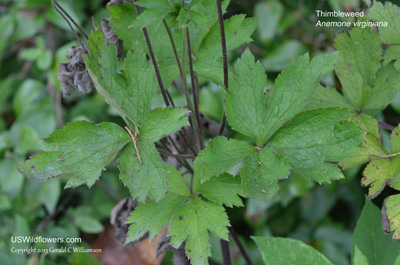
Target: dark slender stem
x,y
184,136
72,20
239,245
226,257
386,126
224,58
55,5
183,163
163,152
170,98
171,39
153,60
194,90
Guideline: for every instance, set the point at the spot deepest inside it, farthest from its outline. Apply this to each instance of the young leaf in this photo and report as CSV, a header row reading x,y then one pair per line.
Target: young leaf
x,y
245,108
261,173
143,179
191,222
334,138
369,238
282,251
152,216
220,155
80,151
163,121
223,189
391,205
359,60
387,13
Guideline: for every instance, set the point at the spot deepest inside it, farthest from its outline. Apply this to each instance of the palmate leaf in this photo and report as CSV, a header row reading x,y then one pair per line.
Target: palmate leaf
x,y
387,13
80,151
189,218
392,211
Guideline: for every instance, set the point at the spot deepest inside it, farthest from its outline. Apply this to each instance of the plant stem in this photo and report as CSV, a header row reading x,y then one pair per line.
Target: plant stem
x,y
185,88
226,257
171,39
239,245
224,59
385,156
153,60
184,163
386,126
194,90
72,20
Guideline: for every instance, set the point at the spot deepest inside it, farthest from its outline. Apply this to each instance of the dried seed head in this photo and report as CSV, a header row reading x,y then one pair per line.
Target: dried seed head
x,y
111,37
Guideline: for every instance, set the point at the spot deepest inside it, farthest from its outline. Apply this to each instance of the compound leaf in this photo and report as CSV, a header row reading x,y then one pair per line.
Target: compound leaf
x,y
79,150
191,222
282,251
152,216
334,139
220,155
163,121
143,179
223,189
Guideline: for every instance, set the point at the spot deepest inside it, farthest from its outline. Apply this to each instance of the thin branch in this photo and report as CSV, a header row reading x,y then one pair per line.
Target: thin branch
x,y
134,142
72,20
153,60
385,156
183,163
185,88
224,58
226,257
239,245
386,126
55,5
171,39
163,152
194,90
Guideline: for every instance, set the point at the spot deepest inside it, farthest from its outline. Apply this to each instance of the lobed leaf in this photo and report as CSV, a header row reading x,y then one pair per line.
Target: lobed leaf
x,y
143,179
151,216
392,211
389,13
80,151
191,222
220,155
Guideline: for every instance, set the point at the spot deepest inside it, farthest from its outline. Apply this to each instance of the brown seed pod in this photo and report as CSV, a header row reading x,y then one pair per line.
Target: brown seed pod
x,y
111,37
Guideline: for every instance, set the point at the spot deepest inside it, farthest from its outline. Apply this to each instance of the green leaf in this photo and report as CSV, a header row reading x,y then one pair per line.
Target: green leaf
x,y
328,97
392,53
378,173
270,14
395,140
150,16
393,213
366,123
223,189
283,55
153,3
261,173
333,139
103,67
359,60
152,216
49,194
359,257
389,13
370,239
143,179
191,222
245,108
293,89
161,122
386,85
220,155
285,251
370,144
79,150
88,224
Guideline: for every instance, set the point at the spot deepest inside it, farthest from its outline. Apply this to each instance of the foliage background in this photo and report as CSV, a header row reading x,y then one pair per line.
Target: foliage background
x,y
34,39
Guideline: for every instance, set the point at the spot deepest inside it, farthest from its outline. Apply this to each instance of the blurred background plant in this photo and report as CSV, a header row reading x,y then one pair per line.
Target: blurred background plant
x,y
34,39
